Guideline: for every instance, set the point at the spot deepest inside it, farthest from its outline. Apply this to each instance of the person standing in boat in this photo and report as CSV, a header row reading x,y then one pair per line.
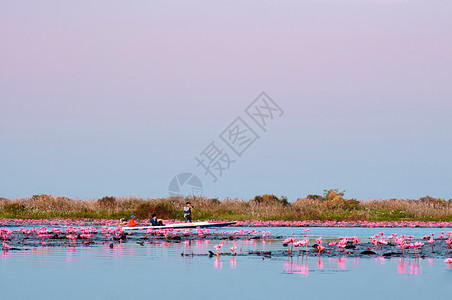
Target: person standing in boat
x,y
187,212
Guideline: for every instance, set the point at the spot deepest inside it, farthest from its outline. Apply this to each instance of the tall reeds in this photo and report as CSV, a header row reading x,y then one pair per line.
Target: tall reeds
x,y
312,208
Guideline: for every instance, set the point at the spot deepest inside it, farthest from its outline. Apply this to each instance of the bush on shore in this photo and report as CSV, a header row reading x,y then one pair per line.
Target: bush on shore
x,y
331,206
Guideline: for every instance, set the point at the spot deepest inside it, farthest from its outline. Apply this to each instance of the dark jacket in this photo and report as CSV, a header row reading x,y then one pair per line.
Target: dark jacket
x,y
155,222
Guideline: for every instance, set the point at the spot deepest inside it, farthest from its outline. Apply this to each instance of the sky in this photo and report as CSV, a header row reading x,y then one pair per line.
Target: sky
x,y
118,98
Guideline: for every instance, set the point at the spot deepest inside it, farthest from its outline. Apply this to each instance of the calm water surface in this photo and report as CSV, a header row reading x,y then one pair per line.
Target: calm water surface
x,y
159,271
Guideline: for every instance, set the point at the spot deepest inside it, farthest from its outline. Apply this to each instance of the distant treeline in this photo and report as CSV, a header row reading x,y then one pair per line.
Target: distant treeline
x,y
332,205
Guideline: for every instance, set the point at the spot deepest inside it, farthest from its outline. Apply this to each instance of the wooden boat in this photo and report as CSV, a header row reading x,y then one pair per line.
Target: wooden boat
x,y
193,225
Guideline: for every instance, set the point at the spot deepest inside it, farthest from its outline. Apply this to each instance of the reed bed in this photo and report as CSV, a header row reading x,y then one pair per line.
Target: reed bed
x,y
259,208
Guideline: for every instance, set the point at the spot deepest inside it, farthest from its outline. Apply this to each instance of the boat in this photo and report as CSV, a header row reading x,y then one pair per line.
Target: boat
x,y
193,225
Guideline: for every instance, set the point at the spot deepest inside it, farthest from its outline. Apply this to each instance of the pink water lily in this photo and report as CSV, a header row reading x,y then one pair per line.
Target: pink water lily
x,y
402,245
431,241
217,247
449,241
289,242
448,261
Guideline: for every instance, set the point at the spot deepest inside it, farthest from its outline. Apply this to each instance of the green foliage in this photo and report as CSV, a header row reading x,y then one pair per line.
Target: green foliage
x,y
352,204
332,193
13,208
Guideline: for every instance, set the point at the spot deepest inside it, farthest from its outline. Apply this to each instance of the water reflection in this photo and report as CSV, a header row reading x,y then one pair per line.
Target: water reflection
x,y
70,254
217,263
401,268
341,263
232,262
413,266
299,267
320,264
198,249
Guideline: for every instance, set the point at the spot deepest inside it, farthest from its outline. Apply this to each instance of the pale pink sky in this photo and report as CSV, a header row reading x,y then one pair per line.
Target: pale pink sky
x,y
114,98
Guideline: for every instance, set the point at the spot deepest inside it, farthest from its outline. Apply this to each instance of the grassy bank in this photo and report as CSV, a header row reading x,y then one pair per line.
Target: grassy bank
x,y
331,206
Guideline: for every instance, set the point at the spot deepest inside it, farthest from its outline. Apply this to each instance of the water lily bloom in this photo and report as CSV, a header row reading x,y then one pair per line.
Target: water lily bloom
x,y
289,241
448,261
431,241
299,244
449,241
341,246
374,242
402,245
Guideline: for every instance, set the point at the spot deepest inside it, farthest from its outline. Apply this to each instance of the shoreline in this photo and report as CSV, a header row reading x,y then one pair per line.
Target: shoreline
x,y
17,222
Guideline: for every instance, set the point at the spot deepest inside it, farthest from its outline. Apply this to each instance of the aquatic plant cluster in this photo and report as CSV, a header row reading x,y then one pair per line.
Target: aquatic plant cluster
x,y
246,223
333,223
331,206
19,234
383,246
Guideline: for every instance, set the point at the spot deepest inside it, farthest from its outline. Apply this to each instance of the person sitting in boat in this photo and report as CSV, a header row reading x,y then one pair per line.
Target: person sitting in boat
x,y
123,222
187,212
132,221
155,222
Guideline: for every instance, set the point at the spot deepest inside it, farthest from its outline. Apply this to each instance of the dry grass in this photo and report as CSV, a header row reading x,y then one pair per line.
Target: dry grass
x,y
46,206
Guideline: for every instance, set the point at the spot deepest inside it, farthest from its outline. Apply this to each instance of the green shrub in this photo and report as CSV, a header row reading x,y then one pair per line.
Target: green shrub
x,y
13,208
332,193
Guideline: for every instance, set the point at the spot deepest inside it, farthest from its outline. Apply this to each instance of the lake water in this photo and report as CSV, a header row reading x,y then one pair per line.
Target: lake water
x,y
157,270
